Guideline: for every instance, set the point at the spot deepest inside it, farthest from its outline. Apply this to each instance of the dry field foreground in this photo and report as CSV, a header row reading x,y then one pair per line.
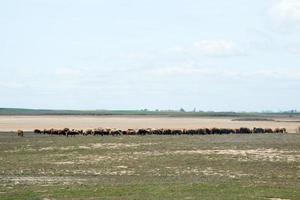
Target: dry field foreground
x,y
225,167
28,123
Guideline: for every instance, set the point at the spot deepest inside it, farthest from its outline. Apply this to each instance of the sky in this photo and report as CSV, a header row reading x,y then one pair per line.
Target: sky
x,y
233,55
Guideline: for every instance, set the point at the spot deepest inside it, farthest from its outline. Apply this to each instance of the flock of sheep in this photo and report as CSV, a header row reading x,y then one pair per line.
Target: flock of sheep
x,y
115,132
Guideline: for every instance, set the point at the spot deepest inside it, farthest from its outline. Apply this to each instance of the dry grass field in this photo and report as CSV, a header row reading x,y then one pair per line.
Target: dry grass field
x,y
260,166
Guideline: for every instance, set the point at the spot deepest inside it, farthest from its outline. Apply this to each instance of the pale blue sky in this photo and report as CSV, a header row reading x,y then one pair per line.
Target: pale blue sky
x,y
241,55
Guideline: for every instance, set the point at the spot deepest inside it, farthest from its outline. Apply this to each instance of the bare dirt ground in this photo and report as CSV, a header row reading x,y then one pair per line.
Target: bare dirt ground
x,y
28,123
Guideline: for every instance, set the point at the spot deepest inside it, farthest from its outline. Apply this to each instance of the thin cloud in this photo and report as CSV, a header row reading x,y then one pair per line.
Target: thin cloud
x,y
212,48
286,10
285,15
68,72
232,73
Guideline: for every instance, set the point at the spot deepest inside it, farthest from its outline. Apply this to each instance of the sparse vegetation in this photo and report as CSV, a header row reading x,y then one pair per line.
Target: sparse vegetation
x,y
150,167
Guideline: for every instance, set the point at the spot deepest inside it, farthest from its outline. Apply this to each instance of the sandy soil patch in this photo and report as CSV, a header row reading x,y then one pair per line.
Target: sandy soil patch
x,y
87,147
89,159
272,155
63,163
244,155
277,199
176,171
118,145
256,154
211,172
110,172
40,180
93,159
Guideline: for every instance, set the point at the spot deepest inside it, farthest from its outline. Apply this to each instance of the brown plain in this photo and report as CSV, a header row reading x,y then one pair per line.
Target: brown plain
x,y
28,123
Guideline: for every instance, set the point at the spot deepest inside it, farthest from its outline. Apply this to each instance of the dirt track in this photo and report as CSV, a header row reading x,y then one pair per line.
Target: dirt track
x,y
28,123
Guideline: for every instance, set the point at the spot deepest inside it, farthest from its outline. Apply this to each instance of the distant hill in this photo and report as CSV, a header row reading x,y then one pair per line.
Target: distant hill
x,y
22,111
